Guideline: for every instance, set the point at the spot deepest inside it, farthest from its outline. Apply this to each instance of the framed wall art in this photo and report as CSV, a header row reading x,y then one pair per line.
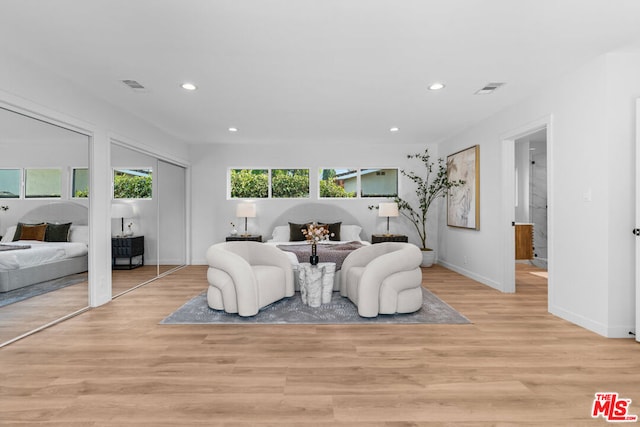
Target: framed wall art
x,y
463,202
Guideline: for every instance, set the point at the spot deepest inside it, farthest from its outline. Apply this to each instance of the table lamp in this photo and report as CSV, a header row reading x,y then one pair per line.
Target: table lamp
x,y
246,210
388,210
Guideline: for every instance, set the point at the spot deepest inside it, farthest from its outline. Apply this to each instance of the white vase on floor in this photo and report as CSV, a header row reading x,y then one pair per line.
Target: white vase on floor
x,y
428,257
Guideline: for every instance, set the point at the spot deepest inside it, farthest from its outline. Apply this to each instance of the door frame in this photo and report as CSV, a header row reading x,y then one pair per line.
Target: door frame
x,y
508,140
637,225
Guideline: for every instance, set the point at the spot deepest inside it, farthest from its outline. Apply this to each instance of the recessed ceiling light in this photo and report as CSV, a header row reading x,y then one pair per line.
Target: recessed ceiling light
x,y
233,129
436,86
189,86
394,129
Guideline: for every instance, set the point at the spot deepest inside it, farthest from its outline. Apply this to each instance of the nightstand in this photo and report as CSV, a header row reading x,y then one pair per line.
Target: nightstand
x,y
240,238
379,238
127,247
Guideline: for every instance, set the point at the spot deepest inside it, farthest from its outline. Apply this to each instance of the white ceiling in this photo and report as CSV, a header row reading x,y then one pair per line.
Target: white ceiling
x,y
314,71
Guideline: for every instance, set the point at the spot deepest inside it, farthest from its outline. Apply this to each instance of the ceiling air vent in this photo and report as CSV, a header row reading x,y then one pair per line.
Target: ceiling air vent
x,y
489,88
134,85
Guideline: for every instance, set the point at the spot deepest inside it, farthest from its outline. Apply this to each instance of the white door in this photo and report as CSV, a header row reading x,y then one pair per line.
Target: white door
x,y
637,229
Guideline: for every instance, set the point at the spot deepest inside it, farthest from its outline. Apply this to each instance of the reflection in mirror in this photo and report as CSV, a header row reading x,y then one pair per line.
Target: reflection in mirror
x,y
134,224
36,175
173,216
148,213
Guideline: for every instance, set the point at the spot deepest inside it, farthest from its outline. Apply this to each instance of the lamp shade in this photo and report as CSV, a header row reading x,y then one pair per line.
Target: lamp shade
x,y
121,210
246,210
388,209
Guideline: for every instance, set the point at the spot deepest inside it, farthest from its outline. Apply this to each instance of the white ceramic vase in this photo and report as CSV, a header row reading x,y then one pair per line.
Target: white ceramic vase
x,y
428,257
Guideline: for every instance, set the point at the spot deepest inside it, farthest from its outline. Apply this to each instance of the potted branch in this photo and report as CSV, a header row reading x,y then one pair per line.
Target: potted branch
x,y
431,184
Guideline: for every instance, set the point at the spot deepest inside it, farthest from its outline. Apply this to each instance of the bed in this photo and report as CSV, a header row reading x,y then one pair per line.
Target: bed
x,y
350,235
30,261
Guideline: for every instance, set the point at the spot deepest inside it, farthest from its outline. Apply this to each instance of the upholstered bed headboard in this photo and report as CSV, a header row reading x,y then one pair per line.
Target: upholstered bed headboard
x,y
325,212
59,212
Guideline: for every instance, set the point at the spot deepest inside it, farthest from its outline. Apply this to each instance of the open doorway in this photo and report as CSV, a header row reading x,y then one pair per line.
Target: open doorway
x,y
530,208
531,195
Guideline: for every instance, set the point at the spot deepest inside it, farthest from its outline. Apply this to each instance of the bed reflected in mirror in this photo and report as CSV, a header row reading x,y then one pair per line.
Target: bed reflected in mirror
x,y
44,190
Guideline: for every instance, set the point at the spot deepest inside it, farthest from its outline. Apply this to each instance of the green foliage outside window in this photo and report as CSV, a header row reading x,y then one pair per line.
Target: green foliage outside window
x,y
293,183
130,185
249,183
329,188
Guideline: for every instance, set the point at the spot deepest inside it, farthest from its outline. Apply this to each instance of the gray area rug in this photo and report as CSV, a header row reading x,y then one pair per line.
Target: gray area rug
x,y
292,311
22,294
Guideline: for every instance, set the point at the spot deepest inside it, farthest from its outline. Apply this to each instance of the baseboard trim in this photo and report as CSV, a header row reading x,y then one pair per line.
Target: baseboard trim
x,y
620,331
478,278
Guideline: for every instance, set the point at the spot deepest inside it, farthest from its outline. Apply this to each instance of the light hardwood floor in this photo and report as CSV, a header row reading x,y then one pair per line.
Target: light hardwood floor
x,y
22,317
514,365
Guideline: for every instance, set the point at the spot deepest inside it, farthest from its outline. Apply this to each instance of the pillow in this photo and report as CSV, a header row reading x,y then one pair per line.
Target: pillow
x,y
57,232
18,232
9,234
33,232
281,233
350,233
295,232
333,228
79,233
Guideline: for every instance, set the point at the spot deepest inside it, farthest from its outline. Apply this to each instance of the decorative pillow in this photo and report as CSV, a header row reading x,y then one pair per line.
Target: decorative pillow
x,y
79,233
295,232
9,234
334,228
281,233
33,232
350,233
57,232
18,232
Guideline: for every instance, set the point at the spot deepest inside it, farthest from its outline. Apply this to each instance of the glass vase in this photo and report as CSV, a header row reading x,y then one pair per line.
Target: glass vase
x,y
313,259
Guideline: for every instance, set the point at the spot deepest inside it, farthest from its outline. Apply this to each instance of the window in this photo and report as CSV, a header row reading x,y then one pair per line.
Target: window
x,y
249,183
379,182
42,183
338,182
80,182
10,183
132,183
290,183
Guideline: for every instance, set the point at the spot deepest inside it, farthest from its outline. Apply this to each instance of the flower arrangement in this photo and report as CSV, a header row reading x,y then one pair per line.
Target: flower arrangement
x,y
315,233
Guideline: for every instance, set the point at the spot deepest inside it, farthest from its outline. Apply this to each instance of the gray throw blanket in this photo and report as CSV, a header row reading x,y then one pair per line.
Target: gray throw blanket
x,y
326,253
5,247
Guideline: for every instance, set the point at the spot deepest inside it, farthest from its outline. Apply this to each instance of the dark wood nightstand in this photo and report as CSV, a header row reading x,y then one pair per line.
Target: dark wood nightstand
x,y
379,238
127,247
240,238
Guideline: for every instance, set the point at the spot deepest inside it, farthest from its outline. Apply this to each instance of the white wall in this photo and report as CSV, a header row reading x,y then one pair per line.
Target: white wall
x,y
212,212
591,148
27,87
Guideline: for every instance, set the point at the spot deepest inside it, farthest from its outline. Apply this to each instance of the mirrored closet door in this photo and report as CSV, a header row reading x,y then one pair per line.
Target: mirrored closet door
x,y
148,218
44,184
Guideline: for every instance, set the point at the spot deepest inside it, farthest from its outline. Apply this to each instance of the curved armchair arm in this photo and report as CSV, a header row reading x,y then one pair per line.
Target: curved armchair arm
x,y
240,271
358,258
269,255
377,270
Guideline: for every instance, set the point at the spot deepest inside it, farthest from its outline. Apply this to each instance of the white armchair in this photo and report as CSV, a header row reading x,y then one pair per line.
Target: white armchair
x,y
384,278
246,276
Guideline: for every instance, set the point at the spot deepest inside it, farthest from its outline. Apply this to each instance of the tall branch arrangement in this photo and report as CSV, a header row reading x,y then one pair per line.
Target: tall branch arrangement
x,y
430,184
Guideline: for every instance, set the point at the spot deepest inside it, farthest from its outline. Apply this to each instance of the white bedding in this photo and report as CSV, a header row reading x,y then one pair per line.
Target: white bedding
x,y
39,253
